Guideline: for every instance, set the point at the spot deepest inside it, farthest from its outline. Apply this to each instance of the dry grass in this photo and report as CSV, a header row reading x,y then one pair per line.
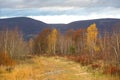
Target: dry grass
x,y
50,68
20,72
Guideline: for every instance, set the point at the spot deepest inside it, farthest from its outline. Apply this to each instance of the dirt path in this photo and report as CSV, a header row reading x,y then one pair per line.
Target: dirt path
x,y
49,68
59,69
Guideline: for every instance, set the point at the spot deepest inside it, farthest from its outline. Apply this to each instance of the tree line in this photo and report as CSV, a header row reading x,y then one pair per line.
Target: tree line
x,y
73,42
78,42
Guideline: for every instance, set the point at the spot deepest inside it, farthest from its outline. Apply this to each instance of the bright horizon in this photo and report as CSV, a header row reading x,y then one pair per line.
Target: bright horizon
x,y
63,19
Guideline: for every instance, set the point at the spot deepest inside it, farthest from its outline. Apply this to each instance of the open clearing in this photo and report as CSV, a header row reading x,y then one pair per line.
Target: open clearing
x,y
50,68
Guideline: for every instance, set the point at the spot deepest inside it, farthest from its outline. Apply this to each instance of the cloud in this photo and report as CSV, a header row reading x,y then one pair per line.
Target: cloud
x,y
69,10
58,3
60,16
58,11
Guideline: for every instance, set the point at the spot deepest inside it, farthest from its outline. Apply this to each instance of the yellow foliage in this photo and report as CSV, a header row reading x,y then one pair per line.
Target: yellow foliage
x,y
92,33
96,48
52,39
53,36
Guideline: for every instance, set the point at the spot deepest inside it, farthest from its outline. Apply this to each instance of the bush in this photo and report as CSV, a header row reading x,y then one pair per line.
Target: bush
x,y
72,49
6,60
83,59
112,70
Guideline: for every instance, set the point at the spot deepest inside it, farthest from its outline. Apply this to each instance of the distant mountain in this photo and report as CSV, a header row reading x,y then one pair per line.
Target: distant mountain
x,y
102,24
28,26
31,27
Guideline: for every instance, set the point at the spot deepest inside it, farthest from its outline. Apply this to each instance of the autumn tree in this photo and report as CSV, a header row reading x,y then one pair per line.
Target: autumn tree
x,y
79,40
77,35
40,44
31,45
12,42
110,47
70,47
52,41
115,45
62,44
92,33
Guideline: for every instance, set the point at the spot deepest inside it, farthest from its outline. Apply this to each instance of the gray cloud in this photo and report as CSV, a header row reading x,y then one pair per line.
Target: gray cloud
x,y
52,12
59,7
58,3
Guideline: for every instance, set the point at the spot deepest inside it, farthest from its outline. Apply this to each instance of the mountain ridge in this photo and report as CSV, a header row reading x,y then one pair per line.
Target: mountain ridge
x,y
31,26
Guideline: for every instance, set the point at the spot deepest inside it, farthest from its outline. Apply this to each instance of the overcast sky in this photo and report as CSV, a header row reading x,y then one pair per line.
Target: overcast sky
x,y
60,11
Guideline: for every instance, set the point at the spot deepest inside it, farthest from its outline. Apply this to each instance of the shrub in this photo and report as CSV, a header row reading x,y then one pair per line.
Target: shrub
x,y
6,60
96,66
112,70
83,59
72,49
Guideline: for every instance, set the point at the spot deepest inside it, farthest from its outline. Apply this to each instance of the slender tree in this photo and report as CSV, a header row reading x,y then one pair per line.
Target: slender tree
x,y
52,41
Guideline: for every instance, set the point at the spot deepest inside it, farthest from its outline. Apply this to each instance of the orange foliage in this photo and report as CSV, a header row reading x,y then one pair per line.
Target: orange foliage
x,y
6,60
82,59
112,70
40,44
95,66
69,33
77,35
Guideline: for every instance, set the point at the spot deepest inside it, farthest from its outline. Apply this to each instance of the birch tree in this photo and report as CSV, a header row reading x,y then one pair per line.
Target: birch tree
x,y
52,41
92,33
12,42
